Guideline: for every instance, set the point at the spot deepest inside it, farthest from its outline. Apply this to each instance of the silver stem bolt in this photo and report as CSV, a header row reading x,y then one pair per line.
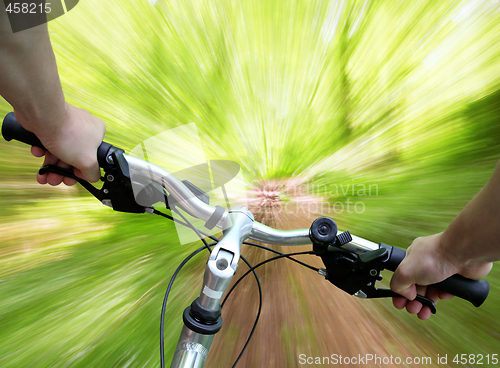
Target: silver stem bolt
x,y
110,177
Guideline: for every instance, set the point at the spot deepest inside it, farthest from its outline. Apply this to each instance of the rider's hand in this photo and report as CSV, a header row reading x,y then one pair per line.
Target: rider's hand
x,y
72,143
429,261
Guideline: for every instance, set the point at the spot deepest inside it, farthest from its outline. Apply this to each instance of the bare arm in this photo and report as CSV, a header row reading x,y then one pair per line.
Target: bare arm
x,y
473,237
30,83
468,247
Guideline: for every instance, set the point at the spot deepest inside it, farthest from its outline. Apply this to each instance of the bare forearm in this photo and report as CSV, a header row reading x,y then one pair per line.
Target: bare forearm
x,y
30,83
468,247
29,78
474,235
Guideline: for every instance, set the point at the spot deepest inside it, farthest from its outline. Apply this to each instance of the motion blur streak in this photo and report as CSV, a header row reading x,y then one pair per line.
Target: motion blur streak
x,y
400,97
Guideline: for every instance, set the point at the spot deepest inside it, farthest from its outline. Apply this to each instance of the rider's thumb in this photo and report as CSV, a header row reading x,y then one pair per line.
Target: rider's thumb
x,y
403,283
91,174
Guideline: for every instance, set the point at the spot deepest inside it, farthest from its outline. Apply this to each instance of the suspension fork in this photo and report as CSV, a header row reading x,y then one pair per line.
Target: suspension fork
x,y
202,319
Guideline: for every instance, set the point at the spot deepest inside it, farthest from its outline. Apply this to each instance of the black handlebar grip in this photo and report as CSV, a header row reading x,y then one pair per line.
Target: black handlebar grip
x,y
11,129
473,291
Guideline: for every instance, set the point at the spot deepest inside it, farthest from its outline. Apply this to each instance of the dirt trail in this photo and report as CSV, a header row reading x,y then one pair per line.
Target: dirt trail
x,y
303,313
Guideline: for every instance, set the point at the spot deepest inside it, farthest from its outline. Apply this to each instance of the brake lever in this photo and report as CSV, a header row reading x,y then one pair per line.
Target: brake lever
x,y
116,191
371,292
352,276
356,274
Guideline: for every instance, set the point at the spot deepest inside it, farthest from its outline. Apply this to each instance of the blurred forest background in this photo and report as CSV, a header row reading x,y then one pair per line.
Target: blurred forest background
x,y
404,95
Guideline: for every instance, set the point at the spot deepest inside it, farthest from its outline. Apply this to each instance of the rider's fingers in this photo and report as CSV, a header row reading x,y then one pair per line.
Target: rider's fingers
x,y
413,307
421,290
424,313
69,181
37,151
49,159
399,302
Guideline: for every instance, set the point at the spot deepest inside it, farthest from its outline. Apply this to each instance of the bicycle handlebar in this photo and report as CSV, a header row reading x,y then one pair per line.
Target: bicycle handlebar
x,y
471,290
11,129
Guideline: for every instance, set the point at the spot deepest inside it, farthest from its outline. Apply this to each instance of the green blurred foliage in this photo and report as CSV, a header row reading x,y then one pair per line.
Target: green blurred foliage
x,y
404,95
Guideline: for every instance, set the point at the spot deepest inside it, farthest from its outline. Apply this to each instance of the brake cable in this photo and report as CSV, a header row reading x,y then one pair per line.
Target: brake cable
x,y
164,306
263,263
199,232
206,246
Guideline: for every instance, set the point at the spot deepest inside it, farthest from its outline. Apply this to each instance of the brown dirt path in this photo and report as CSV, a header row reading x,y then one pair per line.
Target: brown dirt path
x,y
304,314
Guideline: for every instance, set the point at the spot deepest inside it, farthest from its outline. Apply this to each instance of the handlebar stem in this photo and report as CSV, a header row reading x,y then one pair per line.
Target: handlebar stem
x,y
193,347
224,259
